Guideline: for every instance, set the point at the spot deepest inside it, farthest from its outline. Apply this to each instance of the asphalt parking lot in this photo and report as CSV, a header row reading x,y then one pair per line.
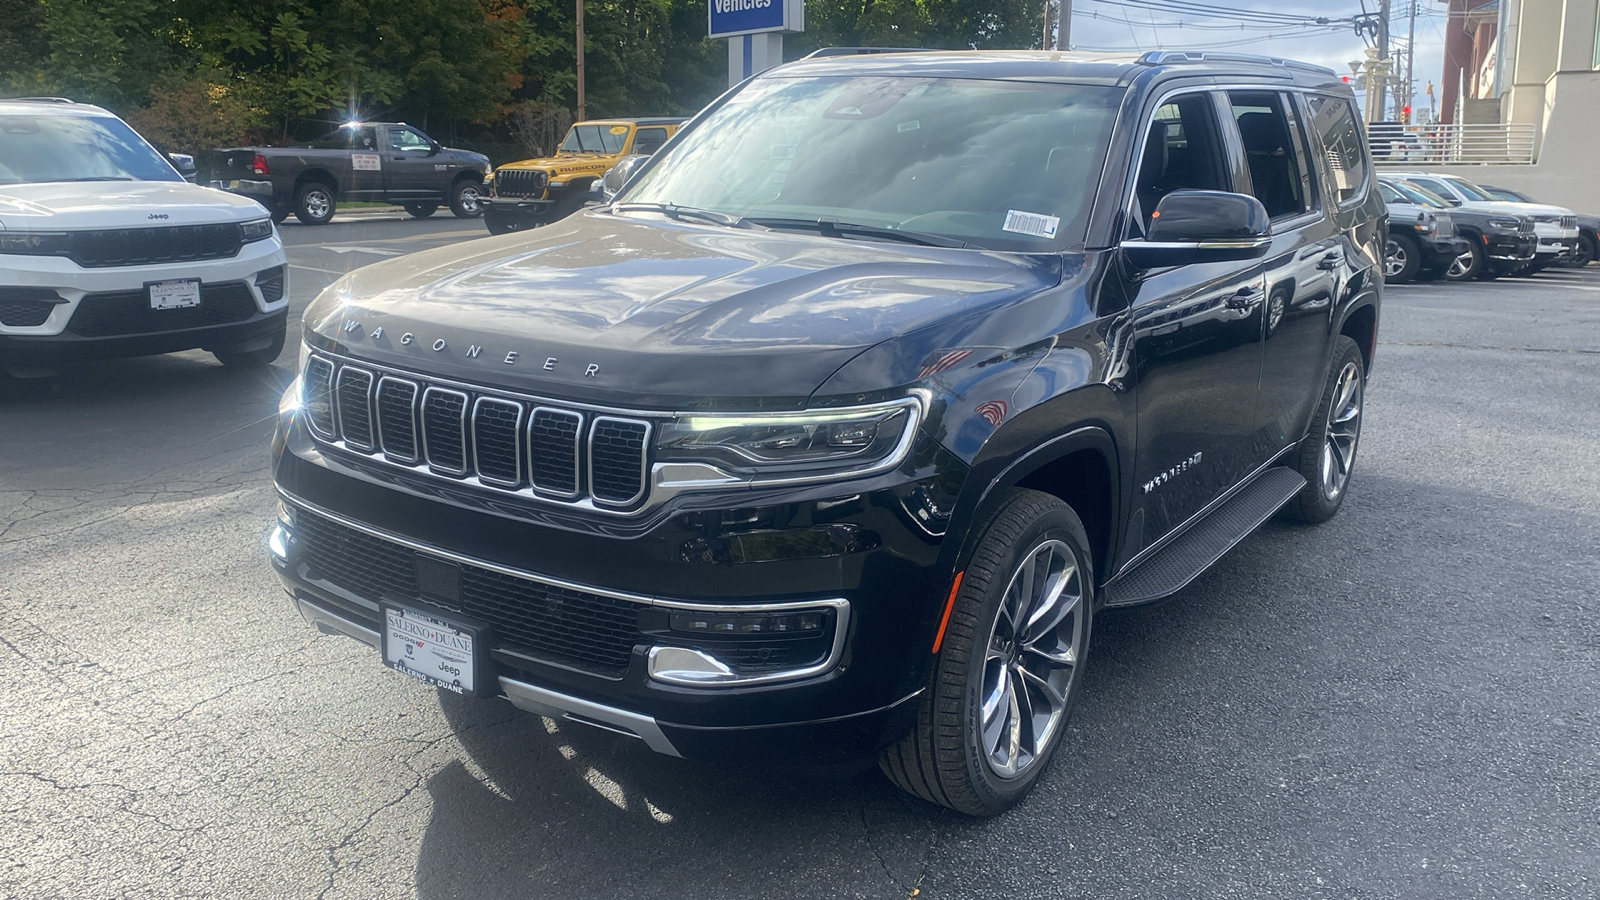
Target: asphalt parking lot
x,y
1399,703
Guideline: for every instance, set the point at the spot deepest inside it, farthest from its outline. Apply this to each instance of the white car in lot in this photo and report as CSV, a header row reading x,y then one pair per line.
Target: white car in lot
x,y
1555,226
106,251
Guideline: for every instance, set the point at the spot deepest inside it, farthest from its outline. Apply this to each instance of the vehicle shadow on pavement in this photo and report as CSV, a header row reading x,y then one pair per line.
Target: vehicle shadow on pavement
x,y
566,810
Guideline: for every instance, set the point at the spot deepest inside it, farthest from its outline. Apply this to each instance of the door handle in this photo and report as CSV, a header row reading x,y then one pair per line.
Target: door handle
x,y
1244,297
1331,261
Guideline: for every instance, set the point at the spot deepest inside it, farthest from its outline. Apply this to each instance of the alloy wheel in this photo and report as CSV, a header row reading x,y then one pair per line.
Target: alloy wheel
x,y
317,203
1031,659
1461,266
1394,259
1343,432
469,200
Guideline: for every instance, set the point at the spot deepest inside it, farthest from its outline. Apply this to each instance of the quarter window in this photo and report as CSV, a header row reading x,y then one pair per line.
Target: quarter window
x,y
649,140
1182,151
1334,121
1275,169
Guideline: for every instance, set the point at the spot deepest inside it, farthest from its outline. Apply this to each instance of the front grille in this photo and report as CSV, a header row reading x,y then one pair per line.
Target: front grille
x,y
1569,221
22,307
519,183
145,246
270,283
1524,225
122,313
503,442
530,617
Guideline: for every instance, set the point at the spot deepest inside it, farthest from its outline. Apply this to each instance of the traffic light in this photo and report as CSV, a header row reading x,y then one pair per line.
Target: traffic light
x,y
1405,114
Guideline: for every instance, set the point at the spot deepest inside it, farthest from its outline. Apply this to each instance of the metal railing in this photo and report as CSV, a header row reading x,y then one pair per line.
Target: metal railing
x,y
1501,144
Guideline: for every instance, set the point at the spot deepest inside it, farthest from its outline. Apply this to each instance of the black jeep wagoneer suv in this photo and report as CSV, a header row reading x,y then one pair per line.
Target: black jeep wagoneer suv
x,y
831,433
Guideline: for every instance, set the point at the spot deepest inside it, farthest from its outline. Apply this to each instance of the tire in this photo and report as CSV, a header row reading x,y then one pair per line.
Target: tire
x,y
1428,276
279,214
497,226
1584,253
1469,266
1401,259
1335,436
252,359
570,202
464,198
314,203
421,210
947,759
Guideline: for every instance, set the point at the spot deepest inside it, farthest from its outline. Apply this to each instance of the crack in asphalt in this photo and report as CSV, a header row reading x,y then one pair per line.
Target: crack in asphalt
x,y
1455,346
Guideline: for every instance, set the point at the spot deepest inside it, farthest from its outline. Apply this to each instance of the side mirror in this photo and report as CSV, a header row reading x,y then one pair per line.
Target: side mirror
x,y
608,186
1200,227
434,148
184,163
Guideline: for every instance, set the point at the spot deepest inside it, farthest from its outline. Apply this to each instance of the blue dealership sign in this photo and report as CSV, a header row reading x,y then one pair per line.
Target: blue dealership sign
x,y
730,18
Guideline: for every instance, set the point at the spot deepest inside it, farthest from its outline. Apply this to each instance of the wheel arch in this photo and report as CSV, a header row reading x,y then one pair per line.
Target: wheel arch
x,y
321,176
1360,324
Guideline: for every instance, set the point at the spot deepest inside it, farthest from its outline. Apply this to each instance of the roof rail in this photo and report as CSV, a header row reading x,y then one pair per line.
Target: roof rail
x,y
41,100
861,51
1180,57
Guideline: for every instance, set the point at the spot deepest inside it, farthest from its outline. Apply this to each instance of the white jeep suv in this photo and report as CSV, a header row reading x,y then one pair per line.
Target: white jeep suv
x,y
106,251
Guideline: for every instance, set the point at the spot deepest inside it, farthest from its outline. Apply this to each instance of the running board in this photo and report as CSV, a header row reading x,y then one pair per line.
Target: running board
x,y
1172,567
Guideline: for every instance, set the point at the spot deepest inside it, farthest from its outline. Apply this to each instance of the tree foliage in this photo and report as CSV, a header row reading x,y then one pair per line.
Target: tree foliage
x,y
194,73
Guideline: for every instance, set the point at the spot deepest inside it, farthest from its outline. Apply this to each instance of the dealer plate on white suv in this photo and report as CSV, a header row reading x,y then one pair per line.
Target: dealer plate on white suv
x,y
174,294
441,653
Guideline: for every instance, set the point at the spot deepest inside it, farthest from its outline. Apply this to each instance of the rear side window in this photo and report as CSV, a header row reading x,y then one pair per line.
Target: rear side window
x,y
649,140
1267,132
1335,123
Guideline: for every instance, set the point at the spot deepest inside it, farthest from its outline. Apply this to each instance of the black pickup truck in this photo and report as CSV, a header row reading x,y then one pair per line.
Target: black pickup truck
x,y
384,162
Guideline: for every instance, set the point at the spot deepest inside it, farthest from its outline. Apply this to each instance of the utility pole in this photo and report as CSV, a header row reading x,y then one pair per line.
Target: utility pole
x,y
582,111
1382,85
1411,60
1044,42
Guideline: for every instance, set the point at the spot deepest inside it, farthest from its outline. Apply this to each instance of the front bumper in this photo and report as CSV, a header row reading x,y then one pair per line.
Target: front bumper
x,y
718,553
1511,248
516,211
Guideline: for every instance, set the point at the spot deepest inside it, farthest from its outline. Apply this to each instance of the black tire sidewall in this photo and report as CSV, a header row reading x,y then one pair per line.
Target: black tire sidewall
x,y
1311,505
457,206
1413,253
421,210
1049,518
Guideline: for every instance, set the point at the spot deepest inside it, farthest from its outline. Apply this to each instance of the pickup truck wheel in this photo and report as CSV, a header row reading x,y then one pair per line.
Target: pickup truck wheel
x,y
1401,259
314,203
421,210
251,359
465,197
1010,663
1328,454
1469,266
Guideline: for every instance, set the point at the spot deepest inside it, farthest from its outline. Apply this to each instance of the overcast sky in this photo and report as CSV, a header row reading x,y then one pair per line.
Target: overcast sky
x,y
1259,26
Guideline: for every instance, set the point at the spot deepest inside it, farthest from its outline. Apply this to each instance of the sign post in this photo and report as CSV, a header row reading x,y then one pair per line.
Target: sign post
x,y
754,30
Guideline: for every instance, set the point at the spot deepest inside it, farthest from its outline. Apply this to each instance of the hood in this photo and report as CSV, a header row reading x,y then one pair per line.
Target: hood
x,y
1522,209
564,163
84,205
636,311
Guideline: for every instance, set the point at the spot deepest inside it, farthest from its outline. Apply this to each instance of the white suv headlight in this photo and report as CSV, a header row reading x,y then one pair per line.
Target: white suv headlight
x,y
255,230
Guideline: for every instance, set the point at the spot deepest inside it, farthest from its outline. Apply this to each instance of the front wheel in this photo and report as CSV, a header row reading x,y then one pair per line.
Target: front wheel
x,y
466,199
1583,254
1010,664
1327,456
1468,266
1401,259
421,210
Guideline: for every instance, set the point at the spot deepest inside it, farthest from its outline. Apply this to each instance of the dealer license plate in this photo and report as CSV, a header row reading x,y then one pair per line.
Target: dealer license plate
x,y
425,647
174,294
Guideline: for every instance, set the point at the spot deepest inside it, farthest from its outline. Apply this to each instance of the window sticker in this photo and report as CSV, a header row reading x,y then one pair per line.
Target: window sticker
x,y
619,129
912,125
1031,224
366,162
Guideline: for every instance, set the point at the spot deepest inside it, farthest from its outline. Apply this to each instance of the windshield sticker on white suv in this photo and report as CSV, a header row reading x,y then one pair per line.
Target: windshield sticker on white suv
x,y
1031,224
366,162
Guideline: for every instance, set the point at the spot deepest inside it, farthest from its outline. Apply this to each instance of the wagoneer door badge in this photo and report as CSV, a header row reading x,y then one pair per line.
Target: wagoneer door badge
x,y
474,351
1172,473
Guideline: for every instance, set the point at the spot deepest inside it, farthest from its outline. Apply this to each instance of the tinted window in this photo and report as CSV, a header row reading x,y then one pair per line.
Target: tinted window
x,y
1438,187
1269,146
649,140
348,137
595,139
1421,195
1390,195
76,148
992,163
1469,190
1182,151
1334,122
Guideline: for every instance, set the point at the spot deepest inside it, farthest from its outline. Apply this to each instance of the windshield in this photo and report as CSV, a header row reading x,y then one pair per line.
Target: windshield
x,y
996,164
36,149
1419,195
595,139
1470,190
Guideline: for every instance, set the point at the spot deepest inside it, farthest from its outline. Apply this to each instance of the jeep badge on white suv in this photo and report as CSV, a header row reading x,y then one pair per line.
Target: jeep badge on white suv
x,y
106,251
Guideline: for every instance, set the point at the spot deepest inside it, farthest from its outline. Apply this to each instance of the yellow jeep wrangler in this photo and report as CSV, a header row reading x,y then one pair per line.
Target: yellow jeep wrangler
x,y
540,191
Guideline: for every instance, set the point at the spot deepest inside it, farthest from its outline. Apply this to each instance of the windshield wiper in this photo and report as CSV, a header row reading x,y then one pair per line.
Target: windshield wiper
x,y
835,228
680,213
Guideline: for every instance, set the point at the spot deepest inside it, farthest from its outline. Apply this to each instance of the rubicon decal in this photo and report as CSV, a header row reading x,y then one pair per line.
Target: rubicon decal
x,y
353,329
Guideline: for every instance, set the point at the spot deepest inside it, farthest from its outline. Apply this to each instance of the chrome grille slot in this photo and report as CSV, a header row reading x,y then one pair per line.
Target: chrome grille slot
x,y
617,460
397,418
497,441
317,391
553,437
444,430
354,393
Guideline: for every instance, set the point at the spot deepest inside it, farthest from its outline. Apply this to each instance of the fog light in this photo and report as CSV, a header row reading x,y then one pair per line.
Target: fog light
x,y
278,543
749,623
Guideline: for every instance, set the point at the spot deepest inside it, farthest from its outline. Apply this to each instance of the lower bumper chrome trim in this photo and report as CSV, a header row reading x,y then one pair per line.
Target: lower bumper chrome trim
x,y
329,622
553,705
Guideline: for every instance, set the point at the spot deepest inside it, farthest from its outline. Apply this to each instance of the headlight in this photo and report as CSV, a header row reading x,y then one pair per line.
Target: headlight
x,y
33,243
1504,224
833,442
258,230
